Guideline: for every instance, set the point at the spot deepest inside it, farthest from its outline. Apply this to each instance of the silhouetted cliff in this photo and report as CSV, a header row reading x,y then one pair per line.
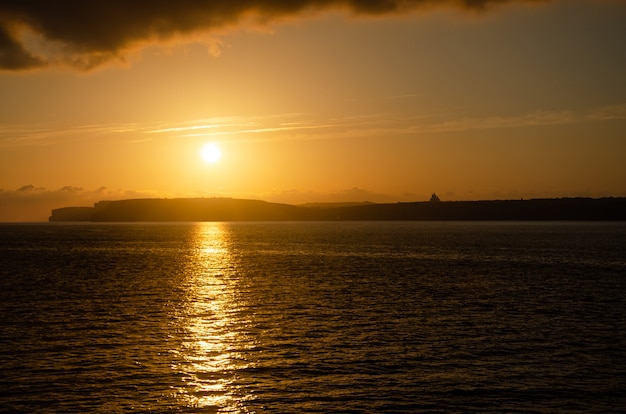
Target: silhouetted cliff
x,y
226,209
536,209
72,214
196,209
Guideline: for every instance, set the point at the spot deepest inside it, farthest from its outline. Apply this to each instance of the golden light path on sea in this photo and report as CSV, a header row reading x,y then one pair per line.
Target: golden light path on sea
x,y
214,331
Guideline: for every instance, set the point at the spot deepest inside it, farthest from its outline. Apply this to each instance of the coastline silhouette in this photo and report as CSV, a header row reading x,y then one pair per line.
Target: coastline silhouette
x,y
229,209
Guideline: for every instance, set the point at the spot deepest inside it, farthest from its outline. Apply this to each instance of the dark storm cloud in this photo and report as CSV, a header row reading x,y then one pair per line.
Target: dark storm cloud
x,y
13,55
85,34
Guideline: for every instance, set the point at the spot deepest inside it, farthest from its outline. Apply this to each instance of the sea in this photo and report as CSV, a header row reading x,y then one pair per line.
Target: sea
x,y
313,317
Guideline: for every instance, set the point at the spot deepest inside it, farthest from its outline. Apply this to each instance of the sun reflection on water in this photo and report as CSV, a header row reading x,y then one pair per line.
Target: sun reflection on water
x,y
215,337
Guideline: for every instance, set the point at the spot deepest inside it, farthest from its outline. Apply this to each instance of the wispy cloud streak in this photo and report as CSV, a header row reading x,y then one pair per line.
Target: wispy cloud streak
x,y
13,135
389,125
290,127
537,118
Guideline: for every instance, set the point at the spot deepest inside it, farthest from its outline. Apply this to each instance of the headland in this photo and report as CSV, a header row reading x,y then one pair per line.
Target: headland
x,y
229,209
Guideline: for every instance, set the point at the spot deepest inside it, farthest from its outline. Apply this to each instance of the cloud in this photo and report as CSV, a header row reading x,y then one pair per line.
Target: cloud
x,y
17,135
300,127
86,34
290,127
13,56
31,203
536,118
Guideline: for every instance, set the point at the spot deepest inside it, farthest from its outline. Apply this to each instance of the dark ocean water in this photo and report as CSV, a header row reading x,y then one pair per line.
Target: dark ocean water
x,y
313,317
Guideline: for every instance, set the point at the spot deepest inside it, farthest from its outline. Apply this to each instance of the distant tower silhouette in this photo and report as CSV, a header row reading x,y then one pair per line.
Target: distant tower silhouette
x,y
434,198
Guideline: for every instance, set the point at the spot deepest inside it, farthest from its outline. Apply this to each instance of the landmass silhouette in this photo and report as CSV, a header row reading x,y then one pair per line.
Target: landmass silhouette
x,y
229,209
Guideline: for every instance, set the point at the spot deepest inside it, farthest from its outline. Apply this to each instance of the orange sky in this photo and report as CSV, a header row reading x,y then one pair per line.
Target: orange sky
x,y
517,100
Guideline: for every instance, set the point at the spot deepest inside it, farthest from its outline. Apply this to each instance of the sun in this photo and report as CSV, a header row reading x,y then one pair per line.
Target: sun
x,y
211,153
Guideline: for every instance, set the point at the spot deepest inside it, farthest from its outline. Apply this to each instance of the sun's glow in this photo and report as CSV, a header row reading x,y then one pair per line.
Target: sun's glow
x,y
211,153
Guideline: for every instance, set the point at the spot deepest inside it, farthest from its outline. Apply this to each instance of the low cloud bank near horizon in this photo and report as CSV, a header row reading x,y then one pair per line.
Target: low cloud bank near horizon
x,y
85,35
30,203
34,204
